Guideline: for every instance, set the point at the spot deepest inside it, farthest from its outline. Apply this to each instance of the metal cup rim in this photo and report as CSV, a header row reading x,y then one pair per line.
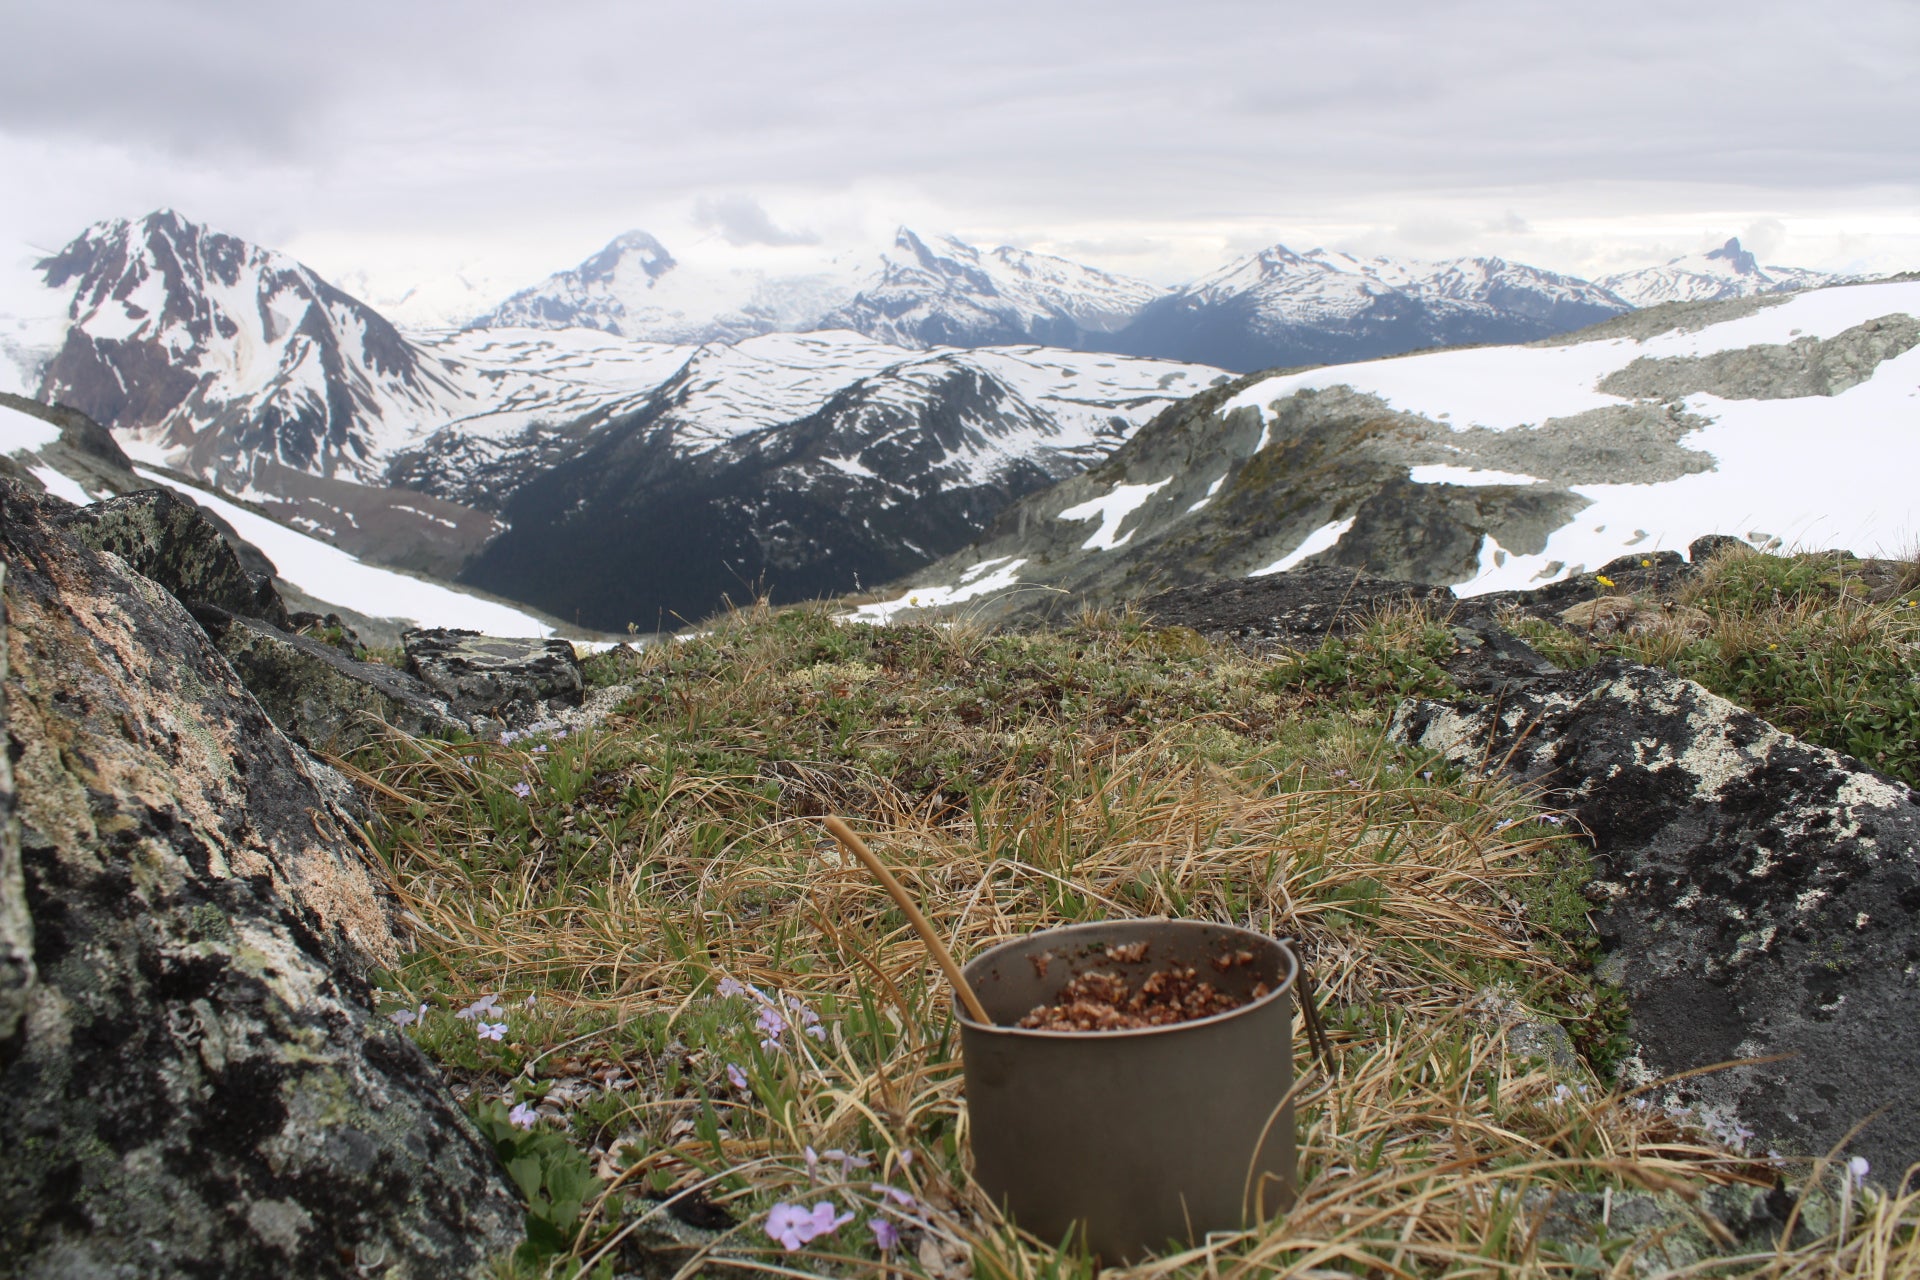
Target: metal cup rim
x,y
1284,987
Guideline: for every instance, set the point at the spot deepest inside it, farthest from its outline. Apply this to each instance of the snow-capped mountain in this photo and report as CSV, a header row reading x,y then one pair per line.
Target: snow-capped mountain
x,y
1278,308
1275,308
798,465
193,341
634,288
1780,419
922,291
1726,272
940,291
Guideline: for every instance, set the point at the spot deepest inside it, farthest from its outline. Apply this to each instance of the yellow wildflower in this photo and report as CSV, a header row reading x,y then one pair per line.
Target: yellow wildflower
x,y
1603,579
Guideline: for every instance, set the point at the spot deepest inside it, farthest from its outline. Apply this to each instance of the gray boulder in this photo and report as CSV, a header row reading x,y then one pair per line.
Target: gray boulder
x,y
1757,895
200,1087
171,540
317,694
504,679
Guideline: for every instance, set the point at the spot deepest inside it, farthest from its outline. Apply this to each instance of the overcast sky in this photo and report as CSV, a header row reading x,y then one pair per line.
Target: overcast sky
x,y
398,146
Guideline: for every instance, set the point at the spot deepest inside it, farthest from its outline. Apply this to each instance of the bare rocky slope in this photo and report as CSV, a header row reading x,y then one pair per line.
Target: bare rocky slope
x,y
1279,469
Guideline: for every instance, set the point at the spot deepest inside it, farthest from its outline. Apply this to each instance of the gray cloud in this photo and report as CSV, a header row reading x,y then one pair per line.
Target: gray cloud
x,y
528,121
741,221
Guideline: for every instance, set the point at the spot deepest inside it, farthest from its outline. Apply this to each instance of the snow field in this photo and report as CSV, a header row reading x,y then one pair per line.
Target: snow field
x,y
330,574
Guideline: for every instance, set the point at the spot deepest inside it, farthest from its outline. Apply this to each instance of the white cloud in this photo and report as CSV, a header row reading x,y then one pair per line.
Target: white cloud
x,y
1582,137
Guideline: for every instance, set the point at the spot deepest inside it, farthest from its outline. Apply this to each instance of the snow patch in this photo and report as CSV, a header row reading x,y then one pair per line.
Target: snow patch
x,y
1447,473
61,486
24,433
1317,541
934,597
1112,510
1208,496
330,574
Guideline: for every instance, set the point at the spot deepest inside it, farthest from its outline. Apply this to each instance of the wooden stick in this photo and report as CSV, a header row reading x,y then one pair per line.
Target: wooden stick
x,y
858,848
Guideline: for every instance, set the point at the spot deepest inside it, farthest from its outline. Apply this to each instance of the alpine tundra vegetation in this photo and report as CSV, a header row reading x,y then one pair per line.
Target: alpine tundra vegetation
x,y
704,1039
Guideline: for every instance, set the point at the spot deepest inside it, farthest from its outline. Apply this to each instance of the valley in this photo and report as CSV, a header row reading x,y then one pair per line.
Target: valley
x,y
631,444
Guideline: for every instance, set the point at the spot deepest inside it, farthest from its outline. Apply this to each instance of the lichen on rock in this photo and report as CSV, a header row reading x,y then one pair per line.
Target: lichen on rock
x,y
1758,896
201,1087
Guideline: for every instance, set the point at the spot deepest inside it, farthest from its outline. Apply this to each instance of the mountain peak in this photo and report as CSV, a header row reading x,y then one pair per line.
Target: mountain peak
x,y
1743,263
638,247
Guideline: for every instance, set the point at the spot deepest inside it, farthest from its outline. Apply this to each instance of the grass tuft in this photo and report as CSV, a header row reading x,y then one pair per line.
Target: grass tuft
x,y
718,1011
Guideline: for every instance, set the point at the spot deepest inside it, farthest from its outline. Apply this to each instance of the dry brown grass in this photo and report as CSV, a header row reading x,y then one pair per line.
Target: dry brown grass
x,y
1110,773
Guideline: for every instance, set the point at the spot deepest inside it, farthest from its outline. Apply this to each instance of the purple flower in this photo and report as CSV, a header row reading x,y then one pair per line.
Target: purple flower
x,y
809,1020
885,1234
793,1226
492,1030
737,1077
731,987
523,1115
523,789
484,1007
529,1000
560,733
407,1017
540,750
1426,775
1857,1170
1553,819
771,1024
508,738
895,1194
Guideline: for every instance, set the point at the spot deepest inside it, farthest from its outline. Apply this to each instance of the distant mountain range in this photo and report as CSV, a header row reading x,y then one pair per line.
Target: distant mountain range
x,y
1726,272
800,434
819,460
1275,308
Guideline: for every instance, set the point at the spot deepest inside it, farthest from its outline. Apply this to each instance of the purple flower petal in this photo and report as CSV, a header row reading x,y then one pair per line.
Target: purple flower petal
x,y
885,1234
523,1115
786,1223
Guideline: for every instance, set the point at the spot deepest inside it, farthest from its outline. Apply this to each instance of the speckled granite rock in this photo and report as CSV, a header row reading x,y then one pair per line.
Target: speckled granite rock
x,y
1758,895
505,679
318,695
201,1088
169,539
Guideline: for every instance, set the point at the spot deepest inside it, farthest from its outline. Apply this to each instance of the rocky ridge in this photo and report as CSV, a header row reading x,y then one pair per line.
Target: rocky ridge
x,y
1367,466
1757,897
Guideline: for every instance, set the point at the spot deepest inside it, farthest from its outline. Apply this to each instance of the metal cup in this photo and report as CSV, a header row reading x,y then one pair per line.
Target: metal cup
x,y
1136,1140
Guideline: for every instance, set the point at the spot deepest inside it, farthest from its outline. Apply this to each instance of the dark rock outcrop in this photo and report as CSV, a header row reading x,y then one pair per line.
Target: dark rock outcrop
x,y
508,680
200,1088
16,927
1758,895
1301,607
321,697
165,537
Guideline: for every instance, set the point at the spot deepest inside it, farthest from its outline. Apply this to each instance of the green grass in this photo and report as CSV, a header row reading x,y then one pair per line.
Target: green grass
x,y
658,883
1810,642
